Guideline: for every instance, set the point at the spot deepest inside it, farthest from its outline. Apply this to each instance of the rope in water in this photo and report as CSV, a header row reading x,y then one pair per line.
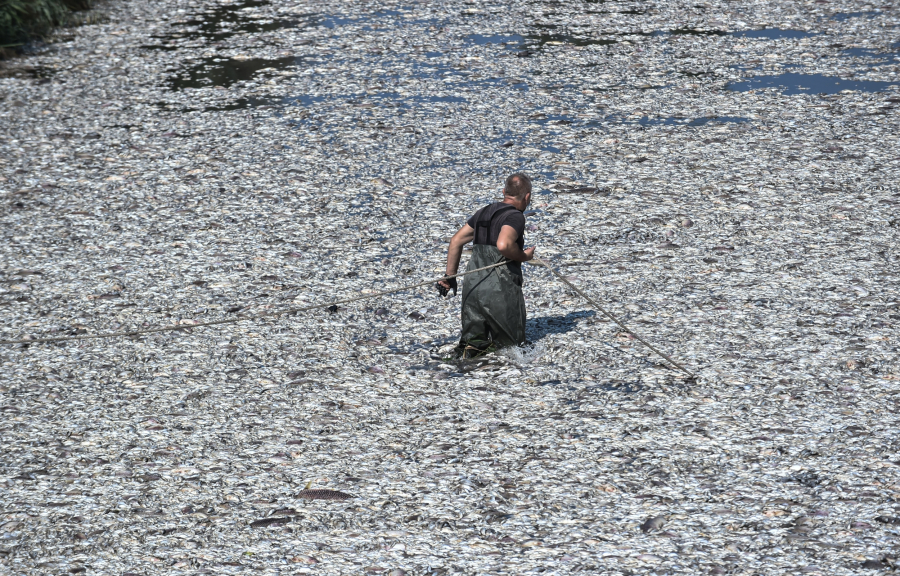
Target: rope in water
x,y
236,319
613,318
276,313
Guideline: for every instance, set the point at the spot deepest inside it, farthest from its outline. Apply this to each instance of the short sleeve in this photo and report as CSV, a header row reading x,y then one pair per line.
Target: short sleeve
x,y
471,221
515,219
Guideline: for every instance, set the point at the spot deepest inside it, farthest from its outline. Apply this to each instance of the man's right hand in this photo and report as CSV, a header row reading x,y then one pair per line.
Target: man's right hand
x,y
529,254
445,285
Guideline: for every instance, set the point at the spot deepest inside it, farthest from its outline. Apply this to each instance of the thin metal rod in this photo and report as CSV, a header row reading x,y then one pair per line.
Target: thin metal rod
x,y
613,318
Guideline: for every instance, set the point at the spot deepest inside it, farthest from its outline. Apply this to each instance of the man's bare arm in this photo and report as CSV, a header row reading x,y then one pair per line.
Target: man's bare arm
x,y
462,237
506,244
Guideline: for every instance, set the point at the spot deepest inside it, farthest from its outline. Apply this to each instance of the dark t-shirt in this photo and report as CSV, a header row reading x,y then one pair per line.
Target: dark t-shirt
x,y
511,217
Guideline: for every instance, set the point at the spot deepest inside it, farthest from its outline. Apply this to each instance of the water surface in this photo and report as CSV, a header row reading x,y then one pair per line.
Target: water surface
x,y
794,83
773,34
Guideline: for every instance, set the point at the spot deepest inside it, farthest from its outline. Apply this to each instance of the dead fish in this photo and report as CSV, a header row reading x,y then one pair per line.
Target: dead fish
x,y
654,523
323,494
382,182
580,190
265,522
649,558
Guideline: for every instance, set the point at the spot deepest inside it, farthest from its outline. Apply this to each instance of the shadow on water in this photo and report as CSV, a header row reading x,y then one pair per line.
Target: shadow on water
x,y
793,83
538,328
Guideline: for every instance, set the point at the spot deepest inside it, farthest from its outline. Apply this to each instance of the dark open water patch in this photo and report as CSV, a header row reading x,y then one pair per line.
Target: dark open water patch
x,y
843,16
696,32
718,120
224,22
227,71
369,20
541,40
532,42
880,58
672,121
263,103
482,39
794,83
773,34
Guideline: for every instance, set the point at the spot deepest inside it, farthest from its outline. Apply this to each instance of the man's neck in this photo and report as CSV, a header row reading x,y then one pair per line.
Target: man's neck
x,y
512,202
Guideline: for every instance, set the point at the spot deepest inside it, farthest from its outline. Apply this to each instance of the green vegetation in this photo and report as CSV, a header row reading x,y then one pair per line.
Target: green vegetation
x,y
24,20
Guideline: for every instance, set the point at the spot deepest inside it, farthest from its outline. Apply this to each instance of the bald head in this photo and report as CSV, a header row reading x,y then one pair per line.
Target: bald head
x,y
517,186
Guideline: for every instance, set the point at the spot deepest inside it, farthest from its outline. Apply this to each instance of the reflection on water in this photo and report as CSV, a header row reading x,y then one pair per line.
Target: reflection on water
x,y
793,83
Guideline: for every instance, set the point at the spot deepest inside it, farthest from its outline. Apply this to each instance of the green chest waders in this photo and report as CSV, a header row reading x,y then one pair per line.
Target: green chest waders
x,y
493,307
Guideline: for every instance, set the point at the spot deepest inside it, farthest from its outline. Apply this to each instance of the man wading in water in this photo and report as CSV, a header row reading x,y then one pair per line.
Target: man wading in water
x,y
493,308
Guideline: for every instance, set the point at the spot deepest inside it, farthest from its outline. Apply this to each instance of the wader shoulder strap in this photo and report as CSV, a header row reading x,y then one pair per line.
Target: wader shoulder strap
x,y
483,225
